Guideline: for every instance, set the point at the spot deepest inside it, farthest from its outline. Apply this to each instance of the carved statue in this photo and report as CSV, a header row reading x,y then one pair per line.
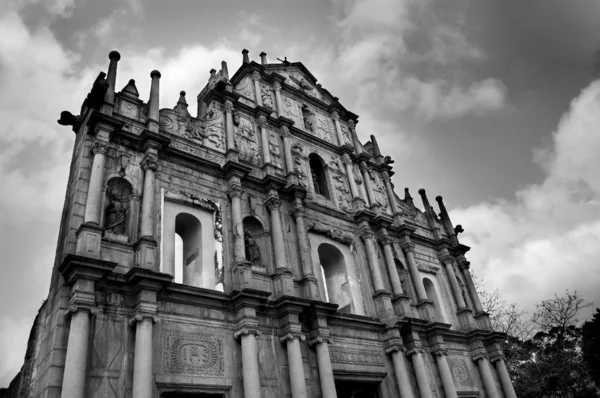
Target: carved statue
x,y
115,215
315,180
252,249
309,119
458,229
388,160
95,98
302,83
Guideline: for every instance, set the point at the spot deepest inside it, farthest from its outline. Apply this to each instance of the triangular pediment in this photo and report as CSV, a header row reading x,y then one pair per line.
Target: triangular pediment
x,y
297,76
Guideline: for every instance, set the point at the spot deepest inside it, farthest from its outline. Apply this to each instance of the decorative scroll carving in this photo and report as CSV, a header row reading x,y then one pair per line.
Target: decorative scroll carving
x,y
193,354
247,141
334,234
460,372
347,356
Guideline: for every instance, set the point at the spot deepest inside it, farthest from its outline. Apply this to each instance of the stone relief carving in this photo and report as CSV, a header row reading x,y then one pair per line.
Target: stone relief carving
x,y
118,194
293,111
325,128
342,195
214,128
245,88
379,188
300,166
128,109
274,149
266,93
334,234
460,372
347,356
310,119
346,134
193,354
247,141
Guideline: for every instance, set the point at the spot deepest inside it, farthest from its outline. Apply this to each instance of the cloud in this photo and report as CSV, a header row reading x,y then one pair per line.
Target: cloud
x,y
548,238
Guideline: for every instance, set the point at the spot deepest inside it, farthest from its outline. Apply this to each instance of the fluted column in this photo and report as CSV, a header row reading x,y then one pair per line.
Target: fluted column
x,y
409,250
73,385
507,386
449,264
278,101
464,267
257,91
235,193
353,188
386,242
94,199
445,374
338,128
230,133
390,192
367,179
142,360
421,373
373,260
250,374
111,76
149,165
324,366
486,374
264,139
287,149
398,359
277,233
296,367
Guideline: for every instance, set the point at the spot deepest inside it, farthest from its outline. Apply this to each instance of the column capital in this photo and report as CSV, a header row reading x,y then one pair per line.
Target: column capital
x,y
448,259
497,356
277,86
73,308
139,317
255,75
385,176
364,167
150,162
440,352
394,344
99,147
367,234
480,354
335,115
346,159
386,240
285,132
292,336
235,191
351,124
244,332
273,203
414,351
464,264
408,247
228,106
319,340
261,121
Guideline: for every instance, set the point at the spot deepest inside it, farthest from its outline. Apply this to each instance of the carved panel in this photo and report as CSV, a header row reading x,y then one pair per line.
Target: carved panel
x,y
348,356
274,149
325,128
293,111
128,109
346,133
300,165
193,354
380,192
214,132
245,88
298,81
341,191
461,372
247,141
266,93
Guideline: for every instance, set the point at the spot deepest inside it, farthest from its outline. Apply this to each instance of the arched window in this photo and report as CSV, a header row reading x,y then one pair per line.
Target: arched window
x,y
118,203
432,295
319,177
333,268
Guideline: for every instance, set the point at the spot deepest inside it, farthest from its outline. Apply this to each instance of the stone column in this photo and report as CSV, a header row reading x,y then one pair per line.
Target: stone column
x,y
296,367
507,386
390,192
338,128
287,149
264,138
325,370
353,188
235,193
386,242
409,249
421,373
142,360
73,385
250,375
471,286
486,374
257,91
445,374
149,165
278,101
277,233
449,264
398,355
373,261
230,133
153,105
368,184
305,260
93,204
111,76
355,140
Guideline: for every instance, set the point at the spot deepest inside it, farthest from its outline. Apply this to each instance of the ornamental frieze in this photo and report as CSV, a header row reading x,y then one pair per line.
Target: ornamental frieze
x,y
347,356
193,354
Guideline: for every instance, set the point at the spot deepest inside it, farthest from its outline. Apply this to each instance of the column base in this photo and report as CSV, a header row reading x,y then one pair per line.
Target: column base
x,y
284,282
401,305
89,239
426,310
145,253
465,318
310,287
383,305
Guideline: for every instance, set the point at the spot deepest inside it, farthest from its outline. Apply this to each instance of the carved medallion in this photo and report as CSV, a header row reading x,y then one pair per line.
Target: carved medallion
x,y
460,372
193,354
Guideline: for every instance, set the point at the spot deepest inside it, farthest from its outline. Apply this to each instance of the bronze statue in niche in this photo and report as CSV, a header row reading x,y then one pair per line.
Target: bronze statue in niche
x,y
118,194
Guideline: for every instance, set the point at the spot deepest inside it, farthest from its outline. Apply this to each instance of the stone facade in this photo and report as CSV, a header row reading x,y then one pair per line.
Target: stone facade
x,y
256,249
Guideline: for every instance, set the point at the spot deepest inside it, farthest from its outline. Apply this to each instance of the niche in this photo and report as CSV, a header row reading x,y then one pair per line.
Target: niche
x,y
117,212
432,296
256,243
319,175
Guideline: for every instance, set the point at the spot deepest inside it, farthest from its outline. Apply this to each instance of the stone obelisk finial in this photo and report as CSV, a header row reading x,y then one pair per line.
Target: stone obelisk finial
x,y
111,76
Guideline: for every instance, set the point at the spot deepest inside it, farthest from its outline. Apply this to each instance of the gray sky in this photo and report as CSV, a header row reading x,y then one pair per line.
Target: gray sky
x,y
490,103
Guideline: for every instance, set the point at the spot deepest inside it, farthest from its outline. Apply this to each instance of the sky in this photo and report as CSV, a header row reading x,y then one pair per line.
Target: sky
x,y
493,104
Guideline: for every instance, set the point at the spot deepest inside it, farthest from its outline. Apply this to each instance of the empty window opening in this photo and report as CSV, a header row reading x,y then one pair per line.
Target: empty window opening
x,y
189,229
337,287
319,177
432,295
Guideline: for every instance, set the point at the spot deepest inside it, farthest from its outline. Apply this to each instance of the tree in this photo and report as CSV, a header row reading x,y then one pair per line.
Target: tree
x,y
591,345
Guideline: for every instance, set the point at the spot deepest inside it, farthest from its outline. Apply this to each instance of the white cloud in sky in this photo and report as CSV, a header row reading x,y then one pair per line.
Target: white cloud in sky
x,y
548,238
